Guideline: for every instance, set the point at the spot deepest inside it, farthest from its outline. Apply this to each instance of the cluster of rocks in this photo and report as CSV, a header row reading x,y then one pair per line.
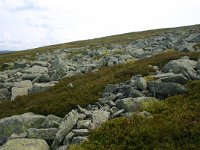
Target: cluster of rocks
x,y
48,68
123,99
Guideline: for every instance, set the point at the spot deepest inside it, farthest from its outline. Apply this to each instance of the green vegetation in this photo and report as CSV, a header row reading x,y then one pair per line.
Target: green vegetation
x,y
175,125
59,100
92,44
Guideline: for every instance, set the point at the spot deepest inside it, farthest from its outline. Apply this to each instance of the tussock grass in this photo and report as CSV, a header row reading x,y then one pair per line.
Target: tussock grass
x,y
59,100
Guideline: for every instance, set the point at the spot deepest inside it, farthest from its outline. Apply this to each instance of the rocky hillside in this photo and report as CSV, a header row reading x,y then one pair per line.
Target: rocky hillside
x,y
76,87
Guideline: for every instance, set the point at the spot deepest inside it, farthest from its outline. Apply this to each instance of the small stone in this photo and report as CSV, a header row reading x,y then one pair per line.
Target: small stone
x,y
84,124
79,139
80,132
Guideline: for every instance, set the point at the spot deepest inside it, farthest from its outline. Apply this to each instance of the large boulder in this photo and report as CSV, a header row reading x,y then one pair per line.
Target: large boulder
x,y
19,124
25,144
45,134
176,65
132,104
184,66
175,78
65,127
165,88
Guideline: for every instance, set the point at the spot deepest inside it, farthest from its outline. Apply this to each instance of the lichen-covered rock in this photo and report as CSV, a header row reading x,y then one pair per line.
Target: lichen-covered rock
x,y
84,124
41,87
51,121
36,69
45,134
65,127
25,144
19,124
166,89
4,94
141,83
18,92
79,139
99,116
133,104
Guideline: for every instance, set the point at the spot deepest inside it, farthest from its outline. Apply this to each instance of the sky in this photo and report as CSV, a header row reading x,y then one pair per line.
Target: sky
x,y
26,24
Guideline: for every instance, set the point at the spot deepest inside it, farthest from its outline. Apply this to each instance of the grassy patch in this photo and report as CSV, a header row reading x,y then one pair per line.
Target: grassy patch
x,y
59,100
175,126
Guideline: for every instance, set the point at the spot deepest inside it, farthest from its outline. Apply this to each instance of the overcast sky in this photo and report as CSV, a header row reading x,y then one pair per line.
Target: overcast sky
x,y
27,24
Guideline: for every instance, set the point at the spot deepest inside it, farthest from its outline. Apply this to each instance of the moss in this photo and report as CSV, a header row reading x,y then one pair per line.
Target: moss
x,y
175,126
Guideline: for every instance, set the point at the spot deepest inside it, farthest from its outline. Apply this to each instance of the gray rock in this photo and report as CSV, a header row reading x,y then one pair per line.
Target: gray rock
x,y
3,77
165,89
107,99
42,79
144,114
36,70
198,65
99,116
111,103
80,132
116,114
19,124
175,78
51,121
17,136
20,65
59,66
141,83
23,84
30,76
135,93
40,63
186,47
84,124
110,88
183,66
81,116
45,134
84,111
64,147
65,127
79,139
25,144
70,85
18,92
4,94
41,87
176,65
132,104
68,138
